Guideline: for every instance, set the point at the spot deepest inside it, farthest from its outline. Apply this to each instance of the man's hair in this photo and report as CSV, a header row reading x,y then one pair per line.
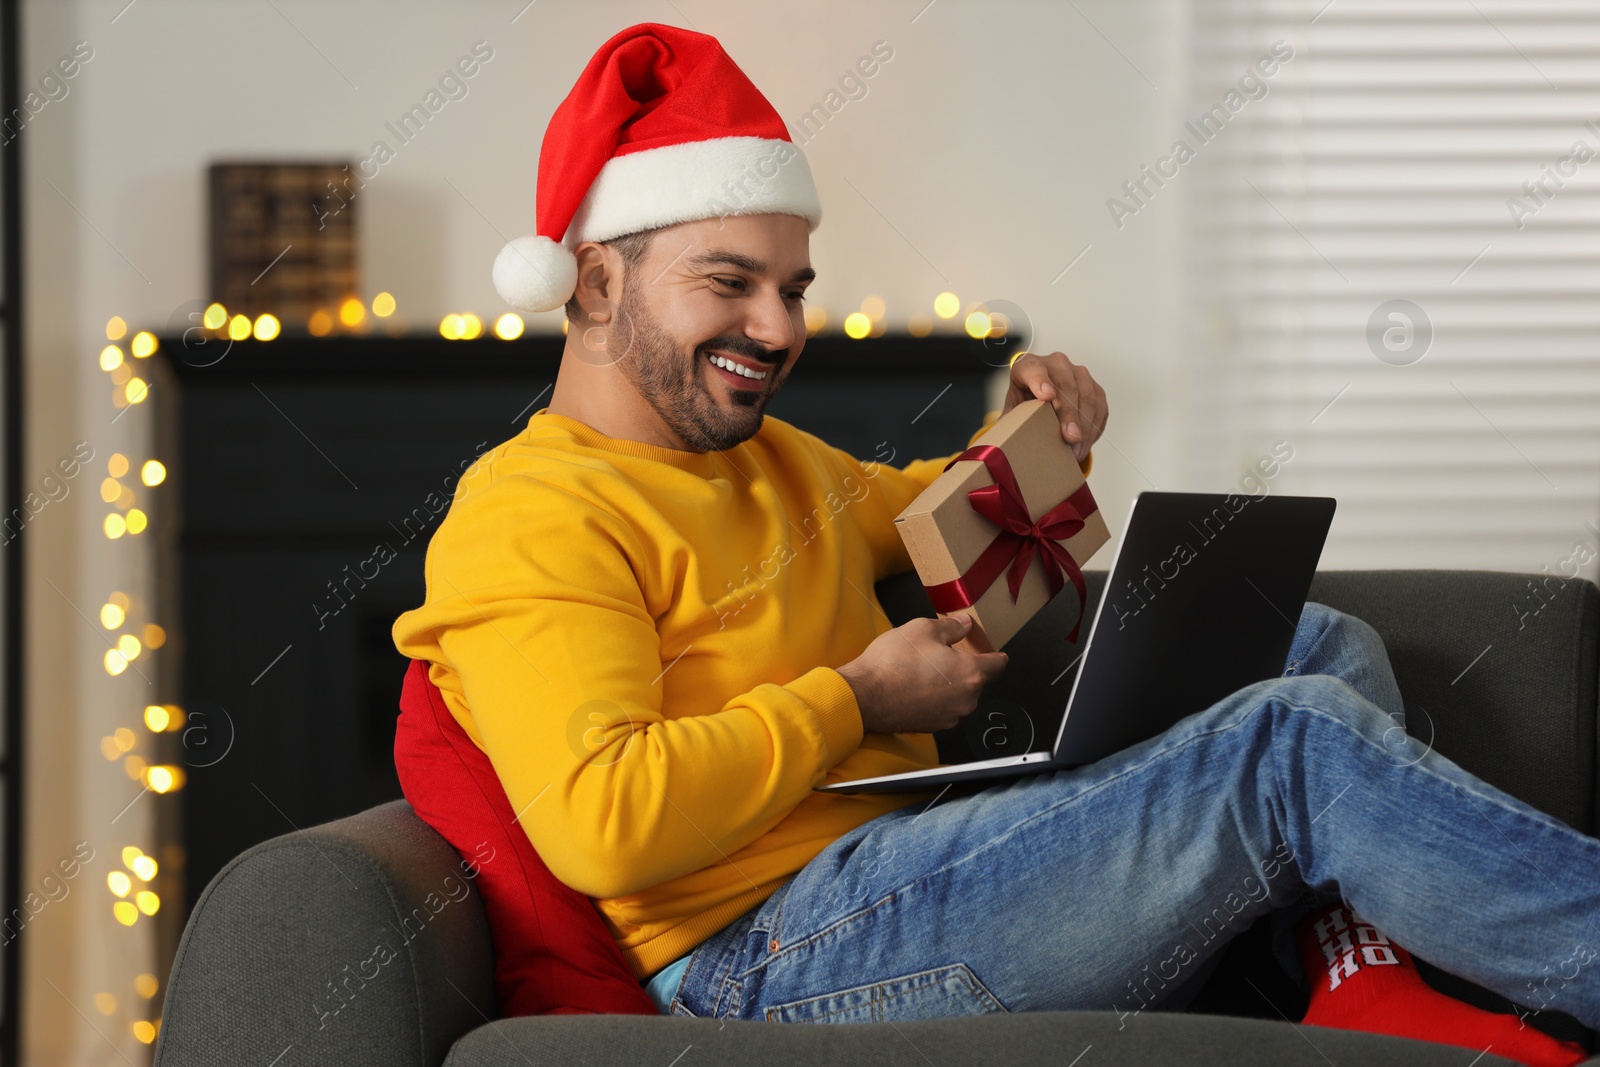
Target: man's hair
x,y
632,247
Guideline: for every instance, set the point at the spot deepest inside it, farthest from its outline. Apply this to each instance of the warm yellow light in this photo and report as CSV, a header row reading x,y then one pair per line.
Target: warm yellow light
x,y
119,882
919,325
215,317
879,327
164,778
115,328
115,526
124,499
816,319
565,325
978,324
110,489
320,324
105,1003
872,307
121,600
115,662
857,325
471,326
137,390
110,357
146,985
125,912
117,465
136,521
133,767
383,305
508,327
119,399
154,636
352,312
129,646
111,616
142,1029
108,748
124,739
154,472
156,718
121,373
239,327
144,867
451,327
266,327
945,305
148,902
130,853
143,344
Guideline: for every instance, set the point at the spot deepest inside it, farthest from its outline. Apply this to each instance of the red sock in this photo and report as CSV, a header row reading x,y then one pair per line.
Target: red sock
x,y
1360,980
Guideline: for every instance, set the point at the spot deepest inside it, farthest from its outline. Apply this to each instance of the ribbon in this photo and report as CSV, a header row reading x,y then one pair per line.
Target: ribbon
x,y
1019,539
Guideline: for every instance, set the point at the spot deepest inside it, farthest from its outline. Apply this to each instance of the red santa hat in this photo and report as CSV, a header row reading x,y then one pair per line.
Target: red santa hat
x,y
662,127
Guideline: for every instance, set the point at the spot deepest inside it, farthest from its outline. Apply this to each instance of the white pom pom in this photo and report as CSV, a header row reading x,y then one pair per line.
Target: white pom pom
x,y
534,273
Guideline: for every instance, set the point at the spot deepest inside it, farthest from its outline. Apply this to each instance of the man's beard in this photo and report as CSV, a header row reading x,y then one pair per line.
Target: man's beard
x,y
676,388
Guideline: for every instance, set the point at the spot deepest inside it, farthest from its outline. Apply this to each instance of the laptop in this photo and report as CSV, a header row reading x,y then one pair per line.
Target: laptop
x,y
1202,600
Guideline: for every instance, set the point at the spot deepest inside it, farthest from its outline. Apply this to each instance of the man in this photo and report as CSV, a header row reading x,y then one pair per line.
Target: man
x,y
659,715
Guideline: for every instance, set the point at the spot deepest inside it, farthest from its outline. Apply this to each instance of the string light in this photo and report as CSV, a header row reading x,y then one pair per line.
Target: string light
x,y
153,472
110,357
857,325
352,312
116,329
945,305
266,327
215,317
508,327
383,305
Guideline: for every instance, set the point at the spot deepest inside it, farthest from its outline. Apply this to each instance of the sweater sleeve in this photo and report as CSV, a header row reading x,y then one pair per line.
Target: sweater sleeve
x,y
537,608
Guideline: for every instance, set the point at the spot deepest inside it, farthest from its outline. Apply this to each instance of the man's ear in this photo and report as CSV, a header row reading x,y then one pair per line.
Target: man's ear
x,y
599,285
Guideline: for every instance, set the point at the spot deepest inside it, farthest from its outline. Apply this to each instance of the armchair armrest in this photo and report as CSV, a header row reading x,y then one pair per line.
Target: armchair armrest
x,y
361,941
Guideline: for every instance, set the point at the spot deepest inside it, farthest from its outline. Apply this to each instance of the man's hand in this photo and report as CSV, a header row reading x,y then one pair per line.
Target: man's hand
x,y
909,679
1079,401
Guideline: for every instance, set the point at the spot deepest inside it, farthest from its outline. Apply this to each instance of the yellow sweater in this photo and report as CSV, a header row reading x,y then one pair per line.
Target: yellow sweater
x,y
645,643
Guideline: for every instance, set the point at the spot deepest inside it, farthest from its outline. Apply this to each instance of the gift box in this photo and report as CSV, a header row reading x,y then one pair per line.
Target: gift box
x,y
1008,525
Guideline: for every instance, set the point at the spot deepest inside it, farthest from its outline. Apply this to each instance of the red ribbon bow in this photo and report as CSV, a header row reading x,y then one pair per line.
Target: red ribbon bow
x,y
1018,540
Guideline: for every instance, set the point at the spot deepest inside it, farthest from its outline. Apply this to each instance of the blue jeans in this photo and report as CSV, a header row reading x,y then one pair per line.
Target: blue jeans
x,y
1114,885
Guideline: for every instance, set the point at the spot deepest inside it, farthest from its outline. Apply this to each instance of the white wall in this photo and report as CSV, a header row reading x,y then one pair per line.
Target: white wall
x,y
989,144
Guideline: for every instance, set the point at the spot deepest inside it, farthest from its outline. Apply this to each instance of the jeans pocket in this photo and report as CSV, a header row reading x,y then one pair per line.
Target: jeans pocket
x,y
931,994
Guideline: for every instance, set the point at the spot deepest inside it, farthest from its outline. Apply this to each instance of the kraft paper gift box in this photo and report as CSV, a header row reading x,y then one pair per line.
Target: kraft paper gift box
x,y
1007,526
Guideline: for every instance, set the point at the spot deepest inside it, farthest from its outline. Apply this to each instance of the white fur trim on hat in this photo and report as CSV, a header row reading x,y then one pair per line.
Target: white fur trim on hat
x,y
695,180
535,273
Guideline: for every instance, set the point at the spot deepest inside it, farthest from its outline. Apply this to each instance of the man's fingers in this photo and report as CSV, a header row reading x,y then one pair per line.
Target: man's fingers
x,y
953,628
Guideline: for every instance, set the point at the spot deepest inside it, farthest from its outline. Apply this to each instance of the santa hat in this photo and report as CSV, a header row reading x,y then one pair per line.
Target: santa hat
x,y
661,127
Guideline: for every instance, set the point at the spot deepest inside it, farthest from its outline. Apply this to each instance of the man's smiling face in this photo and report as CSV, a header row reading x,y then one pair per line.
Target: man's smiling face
x,y
710,295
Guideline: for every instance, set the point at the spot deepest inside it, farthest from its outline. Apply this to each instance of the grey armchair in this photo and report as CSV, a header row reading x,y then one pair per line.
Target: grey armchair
x,y
263,973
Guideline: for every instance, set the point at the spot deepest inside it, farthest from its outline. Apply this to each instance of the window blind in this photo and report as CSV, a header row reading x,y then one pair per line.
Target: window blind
x,y
1393,265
